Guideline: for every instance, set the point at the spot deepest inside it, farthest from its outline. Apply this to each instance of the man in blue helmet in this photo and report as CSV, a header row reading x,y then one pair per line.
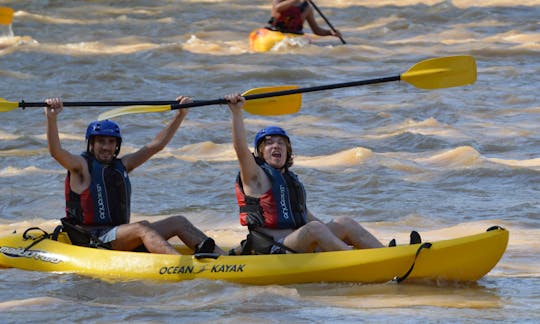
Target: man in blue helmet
x,y
272,199
98,190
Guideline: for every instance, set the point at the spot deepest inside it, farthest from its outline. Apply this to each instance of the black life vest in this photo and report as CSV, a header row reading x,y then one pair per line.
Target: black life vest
x,y
106,201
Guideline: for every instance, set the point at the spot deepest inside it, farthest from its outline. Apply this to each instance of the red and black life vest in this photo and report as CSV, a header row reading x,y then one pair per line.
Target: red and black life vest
x,y
290,20
282,206
106,201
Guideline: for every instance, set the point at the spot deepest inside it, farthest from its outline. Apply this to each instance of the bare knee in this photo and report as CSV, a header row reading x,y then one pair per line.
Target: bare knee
x,y
177,225
313,229
170,224
317,236
142,224
345,221
342,225
141,228
306,238
129,236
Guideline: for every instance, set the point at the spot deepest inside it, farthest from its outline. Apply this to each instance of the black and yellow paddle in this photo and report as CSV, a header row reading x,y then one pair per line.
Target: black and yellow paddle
x,y
436,73
270,105
6,16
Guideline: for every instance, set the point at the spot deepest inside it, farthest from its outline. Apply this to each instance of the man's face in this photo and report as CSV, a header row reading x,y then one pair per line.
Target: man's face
x,y
103,148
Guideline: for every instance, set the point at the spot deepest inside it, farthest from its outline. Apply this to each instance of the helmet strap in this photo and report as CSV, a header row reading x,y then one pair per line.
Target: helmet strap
x,y
88,144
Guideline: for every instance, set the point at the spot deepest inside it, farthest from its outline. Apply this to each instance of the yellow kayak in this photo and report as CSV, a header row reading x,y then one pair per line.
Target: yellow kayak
x,y
263,40
462,259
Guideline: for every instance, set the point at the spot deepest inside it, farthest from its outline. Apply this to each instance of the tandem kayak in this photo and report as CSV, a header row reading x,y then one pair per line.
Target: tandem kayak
x,y
462,259
263,39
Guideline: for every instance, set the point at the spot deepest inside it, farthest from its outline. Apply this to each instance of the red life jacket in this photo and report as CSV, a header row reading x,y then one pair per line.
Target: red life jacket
x,y
282,206
290,20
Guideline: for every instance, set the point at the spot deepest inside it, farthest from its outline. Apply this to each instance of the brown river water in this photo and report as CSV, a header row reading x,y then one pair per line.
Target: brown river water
x,y
447,162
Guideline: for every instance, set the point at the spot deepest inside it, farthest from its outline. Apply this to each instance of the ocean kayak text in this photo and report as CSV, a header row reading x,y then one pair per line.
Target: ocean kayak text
x,y
191,269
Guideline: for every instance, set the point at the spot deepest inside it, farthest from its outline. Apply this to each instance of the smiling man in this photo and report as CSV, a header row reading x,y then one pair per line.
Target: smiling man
x,y
272,199
98,190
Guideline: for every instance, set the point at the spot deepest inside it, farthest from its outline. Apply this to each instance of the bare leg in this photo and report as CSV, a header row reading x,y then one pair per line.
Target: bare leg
x,y
180,226
130,236
353,233
314,235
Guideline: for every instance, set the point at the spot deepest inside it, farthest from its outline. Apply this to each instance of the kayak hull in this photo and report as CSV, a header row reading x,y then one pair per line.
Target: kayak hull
x,y
263,40
462,259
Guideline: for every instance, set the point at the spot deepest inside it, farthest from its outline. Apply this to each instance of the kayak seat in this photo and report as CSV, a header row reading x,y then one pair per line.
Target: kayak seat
x,y
78,235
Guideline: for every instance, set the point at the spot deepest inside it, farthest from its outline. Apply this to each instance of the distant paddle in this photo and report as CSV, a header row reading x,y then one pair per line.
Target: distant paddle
x,y
6,16
326,20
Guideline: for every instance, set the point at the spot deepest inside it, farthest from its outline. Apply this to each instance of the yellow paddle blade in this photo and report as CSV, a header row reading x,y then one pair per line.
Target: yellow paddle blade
x,y
273,106
443,72
132,110
7,105
6,15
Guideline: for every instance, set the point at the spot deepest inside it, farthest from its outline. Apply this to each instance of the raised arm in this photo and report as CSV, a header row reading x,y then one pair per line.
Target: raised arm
x,y
253,177
133,160
71,162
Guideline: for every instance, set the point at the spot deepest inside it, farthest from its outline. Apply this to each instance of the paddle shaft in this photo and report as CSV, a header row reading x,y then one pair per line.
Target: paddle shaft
x,y
221,101
173,104
24,104
290,92
327,21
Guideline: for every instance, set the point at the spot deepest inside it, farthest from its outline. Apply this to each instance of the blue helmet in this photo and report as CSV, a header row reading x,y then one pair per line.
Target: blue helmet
x,y
104,128
269,131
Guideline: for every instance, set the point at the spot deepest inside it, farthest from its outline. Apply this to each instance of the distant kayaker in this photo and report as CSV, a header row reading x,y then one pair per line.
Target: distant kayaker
x,y
98,190
288,16
272,199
